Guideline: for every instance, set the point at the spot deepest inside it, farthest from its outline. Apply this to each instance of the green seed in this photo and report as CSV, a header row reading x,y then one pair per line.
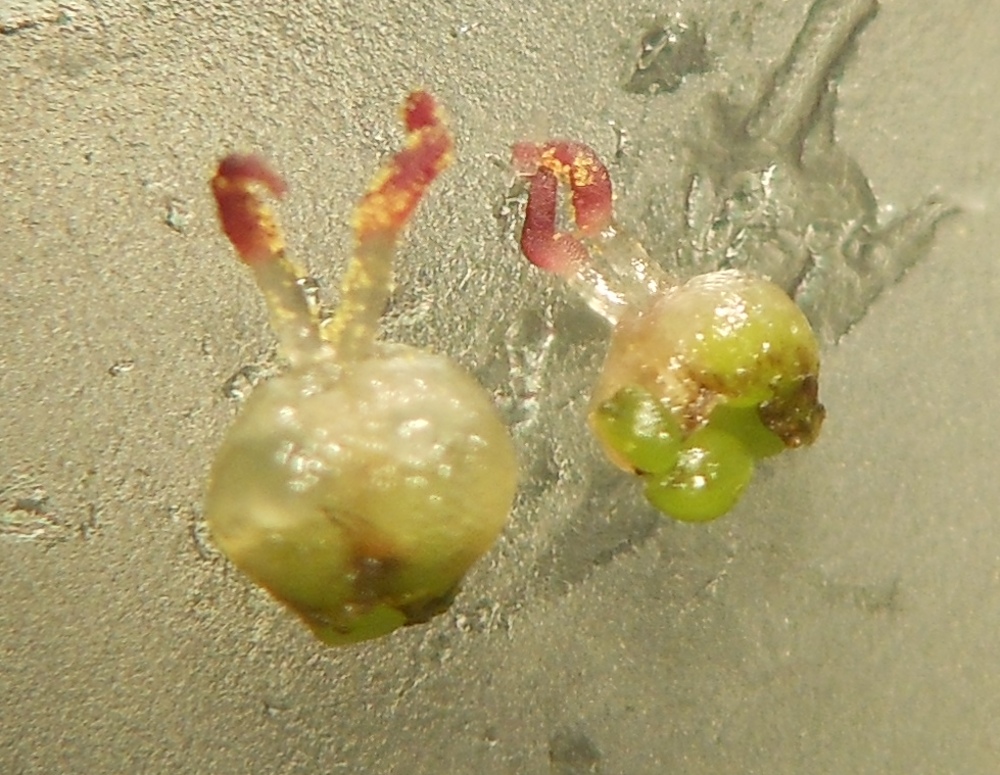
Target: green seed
x,y
634,427
745,425
712,471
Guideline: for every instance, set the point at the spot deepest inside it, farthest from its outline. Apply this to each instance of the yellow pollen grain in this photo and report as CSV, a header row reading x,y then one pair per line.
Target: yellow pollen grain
x,y
585,171
549,161
268,224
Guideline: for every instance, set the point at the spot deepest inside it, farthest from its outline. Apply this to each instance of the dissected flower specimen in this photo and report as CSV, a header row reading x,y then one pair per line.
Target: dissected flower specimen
x,y
360,485
701,378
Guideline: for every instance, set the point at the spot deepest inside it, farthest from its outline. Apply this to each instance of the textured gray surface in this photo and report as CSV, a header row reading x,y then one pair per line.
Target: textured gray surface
x,y
841,620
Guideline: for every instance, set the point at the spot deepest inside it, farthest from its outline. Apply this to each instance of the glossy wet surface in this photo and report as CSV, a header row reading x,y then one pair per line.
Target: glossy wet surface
x,y
840,620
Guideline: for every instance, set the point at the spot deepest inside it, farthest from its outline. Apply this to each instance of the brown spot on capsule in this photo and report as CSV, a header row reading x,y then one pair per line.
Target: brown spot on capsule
x,y
797,416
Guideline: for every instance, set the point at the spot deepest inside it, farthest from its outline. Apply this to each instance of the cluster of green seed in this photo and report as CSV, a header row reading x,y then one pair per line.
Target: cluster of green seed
x,y
695,477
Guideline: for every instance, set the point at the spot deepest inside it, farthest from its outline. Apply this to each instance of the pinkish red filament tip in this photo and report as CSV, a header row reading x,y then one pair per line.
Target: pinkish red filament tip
x,y
395,192
246,220
577,166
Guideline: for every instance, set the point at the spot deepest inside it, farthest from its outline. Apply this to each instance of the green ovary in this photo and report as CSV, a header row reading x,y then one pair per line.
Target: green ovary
x,y
748,341
360,498
701,382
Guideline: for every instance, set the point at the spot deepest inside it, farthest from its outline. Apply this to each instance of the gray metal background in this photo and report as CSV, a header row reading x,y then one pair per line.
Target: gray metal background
x,y
842,619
